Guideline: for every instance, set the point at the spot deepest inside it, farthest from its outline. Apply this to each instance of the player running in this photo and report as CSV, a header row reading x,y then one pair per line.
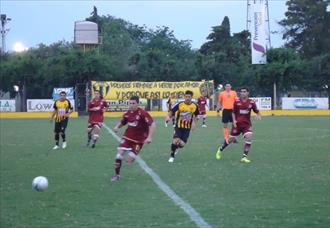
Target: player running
x,y
140,130
62,110
202,103
170,103
241,123
96,108
186,112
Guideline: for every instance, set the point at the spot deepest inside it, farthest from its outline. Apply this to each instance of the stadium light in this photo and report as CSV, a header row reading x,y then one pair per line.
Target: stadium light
x,y
16,88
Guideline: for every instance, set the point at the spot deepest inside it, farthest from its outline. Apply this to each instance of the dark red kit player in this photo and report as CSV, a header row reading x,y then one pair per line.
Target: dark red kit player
x,y
242,123
96,107
140,130
202,103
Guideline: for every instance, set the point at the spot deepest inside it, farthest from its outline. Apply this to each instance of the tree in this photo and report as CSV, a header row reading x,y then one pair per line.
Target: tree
x,y
163,57
318,74
307,26
219,38
224,57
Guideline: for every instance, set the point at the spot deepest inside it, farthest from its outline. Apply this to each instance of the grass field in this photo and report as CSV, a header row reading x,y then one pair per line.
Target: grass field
x,y
286,185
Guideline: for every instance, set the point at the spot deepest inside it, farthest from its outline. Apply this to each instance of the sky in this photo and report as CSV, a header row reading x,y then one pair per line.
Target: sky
x,y
35,22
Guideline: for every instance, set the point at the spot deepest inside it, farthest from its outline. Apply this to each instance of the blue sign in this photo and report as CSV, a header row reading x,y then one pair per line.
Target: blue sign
x,y
305,103
69,92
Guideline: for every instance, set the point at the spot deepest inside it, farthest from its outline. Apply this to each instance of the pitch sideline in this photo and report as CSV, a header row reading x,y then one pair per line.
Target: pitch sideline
x,y
186,207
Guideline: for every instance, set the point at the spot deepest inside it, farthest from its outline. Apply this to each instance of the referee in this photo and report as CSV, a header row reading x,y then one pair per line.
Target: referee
x,y
226,104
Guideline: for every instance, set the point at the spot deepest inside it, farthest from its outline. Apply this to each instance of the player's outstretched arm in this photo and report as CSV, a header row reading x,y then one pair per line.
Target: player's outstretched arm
x,y
118,125
234,120
70,109
256,111
152,130
52,116
193,123
258,116
169,116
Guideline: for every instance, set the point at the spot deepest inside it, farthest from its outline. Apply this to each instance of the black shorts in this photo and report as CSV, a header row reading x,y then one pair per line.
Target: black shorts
x,y
61,126
226,115
181,133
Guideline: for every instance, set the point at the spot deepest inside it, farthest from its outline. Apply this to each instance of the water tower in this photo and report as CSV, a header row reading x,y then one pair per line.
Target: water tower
x,y
86,34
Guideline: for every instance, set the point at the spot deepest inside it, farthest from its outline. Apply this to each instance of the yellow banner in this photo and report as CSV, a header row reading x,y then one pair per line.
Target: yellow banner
x,y
112,90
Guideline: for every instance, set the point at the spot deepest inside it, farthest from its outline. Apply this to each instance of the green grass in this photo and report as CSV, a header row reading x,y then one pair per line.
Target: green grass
x,y
286,185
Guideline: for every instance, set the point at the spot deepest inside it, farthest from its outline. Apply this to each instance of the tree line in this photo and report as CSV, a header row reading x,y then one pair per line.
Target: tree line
x,y
131,52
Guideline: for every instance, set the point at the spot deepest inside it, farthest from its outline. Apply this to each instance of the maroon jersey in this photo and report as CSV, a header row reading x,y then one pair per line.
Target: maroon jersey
x,y
138,125
96,116
242,111
202,101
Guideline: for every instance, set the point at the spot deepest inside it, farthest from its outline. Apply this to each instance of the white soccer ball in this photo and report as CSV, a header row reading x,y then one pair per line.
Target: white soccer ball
x,y
40,183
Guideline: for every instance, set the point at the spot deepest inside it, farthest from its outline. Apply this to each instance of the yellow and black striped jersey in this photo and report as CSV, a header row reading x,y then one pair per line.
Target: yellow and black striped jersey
x,y
184,114
62,108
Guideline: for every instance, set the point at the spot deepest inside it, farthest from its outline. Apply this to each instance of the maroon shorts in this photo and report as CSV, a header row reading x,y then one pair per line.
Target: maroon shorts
x,y
91,125
240,130
202,113
129,145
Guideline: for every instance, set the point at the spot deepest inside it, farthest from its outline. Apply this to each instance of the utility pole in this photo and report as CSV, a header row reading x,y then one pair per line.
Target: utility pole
x,y
4,31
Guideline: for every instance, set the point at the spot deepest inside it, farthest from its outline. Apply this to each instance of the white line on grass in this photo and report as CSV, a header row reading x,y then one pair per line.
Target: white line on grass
x,y
193,214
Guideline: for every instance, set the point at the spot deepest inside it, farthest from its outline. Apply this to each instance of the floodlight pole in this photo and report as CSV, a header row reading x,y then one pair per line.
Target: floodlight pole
x,y
4,31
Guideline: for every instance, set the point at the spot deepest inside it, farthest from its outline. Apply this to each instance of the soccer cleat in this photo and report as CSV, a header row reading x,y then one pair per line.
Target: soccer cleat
x,y
64,145
245,160
171,160
165,124
173,125
218,154
204,125
56,147
115,178
88,142
93,145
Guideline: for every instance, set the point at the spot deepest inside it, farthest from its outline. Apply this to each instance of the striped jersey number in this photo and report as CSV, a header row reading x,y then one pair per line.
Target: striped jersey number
x,y
185,116
61,111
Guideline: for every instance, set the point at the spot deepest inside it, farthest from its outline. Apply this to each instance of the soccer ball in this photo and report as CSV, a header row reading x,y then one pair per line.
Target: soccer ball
x,y
40,183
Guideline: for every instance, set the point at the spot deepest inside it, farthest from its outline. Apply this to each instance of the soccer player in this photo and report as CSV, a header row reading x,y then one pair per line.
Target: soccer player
x,y
140,130
202,102
226,103
96,108
170,102
186,114
62,110
241,123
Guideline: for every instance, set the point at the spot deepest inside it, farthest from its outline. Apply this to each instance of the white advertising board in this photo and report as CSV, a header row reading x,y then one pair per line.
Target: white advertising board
x,y
263,103
7,106
42,105
305,103
258,32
